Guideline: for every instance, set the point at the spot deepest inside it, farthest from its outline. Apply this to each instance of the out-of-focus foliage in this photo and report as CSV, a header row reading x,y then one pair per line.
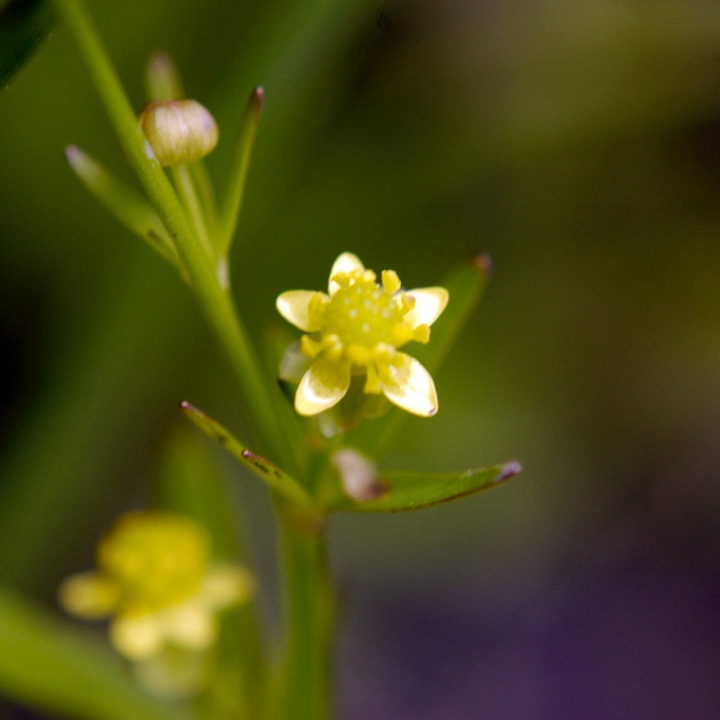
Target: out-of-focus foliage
x,y
23,27
578,143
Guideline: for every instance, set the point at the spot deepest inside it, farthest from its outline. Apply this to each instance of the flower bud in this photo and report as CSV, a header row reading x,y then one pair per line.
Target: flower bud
x,y
179,131
358,475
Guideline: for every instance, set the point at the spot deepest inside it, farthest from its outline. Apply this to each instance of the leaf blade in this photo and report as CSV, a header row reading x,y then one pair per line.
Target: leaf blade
x,y
46,665
408,491
127,205
273,476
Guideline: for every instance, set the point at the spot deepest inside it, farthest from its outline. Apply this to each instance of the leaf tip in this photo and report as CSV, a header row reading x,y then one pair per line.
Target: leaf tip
x,y
508,470
77,159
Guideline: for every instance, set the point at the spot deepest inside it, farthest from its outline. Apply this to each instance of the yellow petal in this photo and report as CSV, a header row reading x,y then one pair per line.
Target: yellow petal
x,y
88,595
322,386
189,625
300,307
225,585
411,386
429,303
137,636
347,262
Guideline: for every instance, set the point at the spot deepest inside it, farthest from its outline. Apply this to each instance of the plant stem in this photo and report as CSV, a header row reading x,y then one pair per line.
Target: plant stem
x,y
269,418
305,682
186,189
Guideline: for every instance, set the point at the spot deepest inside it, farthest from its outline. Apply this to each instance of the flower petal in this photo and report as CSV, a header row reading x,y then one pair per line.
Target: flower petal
x,y
296,307
347,262
429,303
322,386
411,386
137,636
89,595
225,585
189,625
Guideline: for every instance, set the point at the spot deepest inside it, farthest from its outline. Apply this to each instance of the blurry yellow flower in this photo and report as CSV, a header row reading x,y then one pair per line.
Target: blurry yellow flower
x,y
356,329
156,581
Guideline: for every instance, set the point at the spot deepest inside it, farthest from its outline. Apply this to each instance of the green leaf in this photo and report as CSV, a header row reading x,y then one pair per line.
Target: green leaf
x,y
465,286
403,491
274,477
24,25
162,79
232,201
47,666
127,205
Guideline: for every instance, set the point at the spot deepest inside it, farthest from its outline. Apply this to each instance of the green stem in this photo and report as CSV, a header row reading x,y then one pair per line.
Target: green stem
x,y
206,195
262,399
304,692
186,188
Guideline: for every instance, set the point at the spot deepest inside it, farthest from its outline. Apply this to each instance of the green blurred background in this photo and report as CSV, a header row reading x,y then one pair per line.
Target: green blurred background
x,y
578,143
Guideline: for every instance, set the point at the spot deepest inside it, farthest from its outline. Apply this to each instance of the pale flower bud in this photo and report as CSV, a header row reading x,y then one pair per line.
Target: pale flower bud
x,y
179,131
358,475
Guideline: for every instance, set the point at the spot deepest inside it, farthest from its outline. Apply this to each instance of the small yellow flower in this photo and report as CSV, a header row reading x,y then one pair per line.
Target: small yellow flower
x,y
156,581
356,329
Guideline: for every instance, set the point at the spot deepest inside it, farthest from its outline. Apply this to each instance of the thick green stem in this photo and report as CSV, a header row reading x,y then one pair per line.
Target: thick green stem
x,y
304,692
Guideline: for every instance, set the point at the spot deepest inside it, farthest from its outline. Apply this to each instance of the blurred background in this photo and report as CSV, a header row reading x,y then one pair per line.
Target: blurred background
x,y
578,143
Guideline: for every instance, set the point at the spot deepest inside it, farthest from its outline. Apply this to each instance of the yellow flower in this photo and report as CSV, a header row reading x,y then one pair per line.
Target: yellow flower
x,y
156,581
356,329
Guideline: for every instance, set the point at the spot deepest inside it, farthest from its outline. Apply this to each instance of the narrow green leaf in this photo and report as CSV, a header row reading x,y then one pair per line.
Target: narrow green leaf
x,y
465,286
403,491
162,80
24,25
275,478
235,190
47,666
128,206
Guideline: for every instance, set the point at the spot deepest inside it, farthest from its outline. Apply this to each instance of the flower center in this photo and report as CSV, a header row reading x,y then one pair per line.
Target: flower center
x,y
156,560
361,312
